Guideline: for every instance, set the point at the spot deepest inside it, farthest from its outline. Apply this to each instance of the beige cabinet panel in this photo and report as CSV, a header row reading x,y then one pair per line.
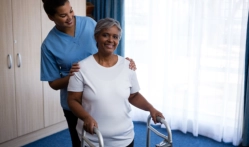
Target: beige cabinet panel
x,y
53,112
7,86
27,38
79,7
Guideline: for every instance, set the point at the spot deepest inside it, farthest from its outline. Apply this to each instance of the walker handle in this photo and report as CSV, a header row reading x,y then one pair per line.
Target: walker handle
x,y
162,121
100,137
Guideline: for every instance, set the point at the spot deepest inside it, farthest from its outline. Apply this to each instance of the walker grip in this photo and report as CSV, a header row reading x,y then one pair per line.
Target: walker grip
x,y
167,142
96,131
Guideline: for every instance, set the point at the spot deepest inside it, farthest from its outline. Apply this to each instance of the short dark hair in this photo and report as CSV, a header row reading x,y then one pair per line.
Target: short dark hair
x,y
51,5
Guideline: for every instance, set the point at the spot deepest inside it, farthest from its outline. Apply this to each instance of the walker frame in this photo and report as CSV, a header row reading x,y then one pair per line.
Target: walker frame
x,y
167,142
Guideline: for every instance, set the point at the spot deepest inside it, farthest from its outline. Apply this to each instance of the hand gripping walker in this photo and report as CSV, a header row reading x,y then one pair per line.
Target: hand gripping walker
x,y
100,137
167,142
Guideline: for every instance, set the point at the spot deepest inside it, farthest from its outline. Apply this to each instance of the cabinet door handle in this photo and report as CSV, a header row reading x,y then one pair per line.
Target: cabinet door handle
x,y
9,61
19,61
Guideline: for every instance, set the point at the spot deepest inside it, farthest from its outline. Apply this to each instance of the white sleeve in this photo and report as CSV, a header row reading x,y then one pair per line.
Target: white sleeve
x,y
76,83
134,83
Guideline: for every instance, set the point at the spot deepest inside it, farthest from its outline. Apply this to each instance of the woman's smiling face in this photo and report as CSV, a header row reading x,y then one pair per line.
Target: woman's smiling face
x,y
64,18
108,40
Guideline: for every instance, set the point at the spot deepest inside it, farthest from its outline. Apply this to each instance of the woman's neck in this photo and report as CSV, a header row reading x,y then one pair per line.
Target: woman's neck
x,y
106,61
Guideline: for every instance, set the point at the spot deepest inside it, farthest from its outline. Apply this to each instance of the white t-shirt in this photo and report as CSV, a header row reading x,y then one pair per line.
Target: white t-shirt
x,y
105,97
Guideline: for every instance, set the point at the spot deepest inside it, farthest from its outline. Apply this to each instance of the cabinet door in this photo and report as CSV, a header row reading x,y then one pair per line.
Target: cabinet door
x,y
7,86
27,38
79,7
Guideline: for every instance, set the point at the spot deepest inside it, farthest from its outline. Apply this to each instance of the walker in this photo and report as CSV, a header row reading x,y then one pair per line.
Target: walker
x,y
167,142
100,137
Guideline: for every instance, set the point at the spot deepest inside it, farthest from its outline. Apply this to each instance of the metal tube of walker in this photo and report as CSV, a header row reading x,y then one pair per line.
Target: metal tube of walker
x,y
150,128
84,139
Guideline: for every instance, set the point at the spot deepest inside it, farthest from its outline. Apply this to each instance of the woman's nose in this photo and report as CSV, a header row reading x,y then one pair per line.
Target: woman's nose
x,y
70,17
110,38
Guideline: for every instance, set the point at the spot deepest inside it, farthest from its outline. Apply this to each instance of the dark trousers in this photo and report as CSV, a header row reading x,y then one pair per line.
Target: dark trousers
x,y
132,144
72,122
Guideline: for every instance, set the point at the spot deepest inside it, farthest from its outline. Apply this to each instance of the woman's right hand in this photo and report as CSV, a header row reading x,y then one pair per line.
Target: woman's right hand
x,y
89,123
75,68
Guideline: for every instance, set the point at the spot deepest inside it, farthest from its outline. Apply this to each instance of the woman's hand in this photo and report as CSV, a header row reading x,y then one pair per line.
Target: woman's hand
x,y
75,68
89,123
155,113
132,65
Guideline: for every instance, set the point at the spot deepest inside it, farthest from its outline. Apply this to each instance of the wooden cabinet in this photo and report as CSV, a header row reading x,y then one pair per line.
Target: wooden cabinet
x,y
7,81
28,88
79,7
29,108
21,91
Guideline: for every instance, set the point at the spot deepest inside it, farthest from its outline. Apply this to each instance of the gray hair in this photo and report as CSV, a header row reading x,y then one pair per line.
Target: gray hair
x,y
107,23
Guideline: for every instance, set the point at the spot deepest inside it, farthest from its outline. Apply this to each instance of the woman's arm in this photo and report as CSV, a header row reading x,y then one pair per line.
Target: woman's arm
x,y
59,83
74,102
63,82
139,101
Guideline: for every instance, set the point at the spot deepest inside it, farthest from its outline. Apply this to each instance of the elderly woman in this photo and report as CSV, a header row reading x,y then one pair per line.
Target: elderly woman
x,y
101,92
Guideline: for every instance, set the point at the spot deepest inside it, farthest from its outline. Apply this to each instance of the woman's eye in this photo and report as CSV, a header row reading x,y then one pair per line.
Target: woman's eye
x,y
115,37
105,35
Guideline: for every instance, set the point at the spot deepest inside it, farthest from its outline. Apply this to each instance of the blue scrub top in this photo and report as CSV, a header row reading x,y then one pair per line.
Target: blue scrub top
x,y
59,51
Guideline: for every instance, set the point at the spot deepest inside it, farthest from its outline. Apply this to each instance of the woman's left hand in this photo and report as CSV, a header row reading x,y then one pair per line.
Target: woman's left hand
x,y
155,113
132,65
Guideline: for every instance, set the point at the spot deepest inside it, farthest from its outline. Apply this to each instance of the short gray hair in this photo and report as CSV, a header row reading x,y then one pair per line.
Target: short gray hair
x,y
107,23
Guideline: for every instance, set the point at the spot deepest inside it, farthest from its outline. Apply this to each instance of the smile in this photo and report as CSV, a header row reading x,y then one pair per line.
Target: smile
x,y
110,46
